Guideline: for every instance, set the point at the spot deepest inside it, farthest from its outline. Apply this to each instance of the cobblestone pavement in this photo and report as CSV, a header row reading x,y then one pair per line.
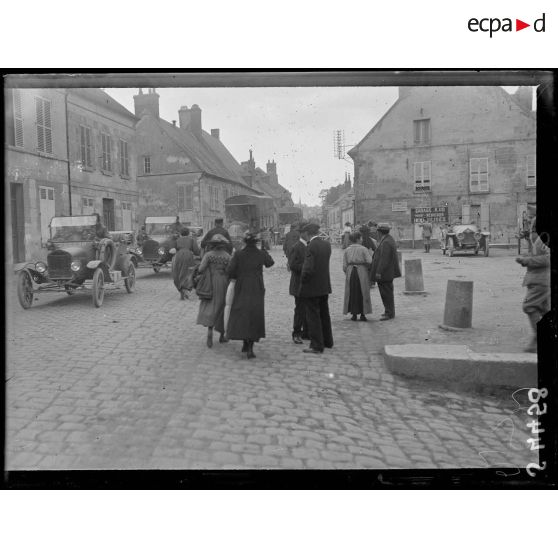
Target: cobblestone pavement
x,y
132,384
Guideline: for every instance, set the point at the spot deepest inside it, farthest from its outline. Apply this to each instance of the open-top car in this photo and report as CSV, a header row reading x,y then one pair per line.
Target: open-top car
x,y
77,259
159,243
465,238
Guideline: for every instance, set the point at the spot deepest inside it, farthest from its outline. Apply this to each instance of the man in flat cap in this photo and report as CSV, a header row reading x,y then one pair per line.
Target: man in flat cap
x,y
297,254
218,229
315,287
385,268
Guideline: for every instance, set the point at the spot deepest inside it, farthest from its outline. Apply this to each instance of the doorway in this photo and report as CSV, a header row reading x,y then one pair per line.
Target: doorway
x,y
108,213
18,223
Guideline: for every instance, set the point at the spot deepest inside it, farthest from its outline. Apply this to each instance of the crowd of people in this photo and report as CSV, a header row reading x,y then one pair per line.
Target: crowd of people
x,y
235,308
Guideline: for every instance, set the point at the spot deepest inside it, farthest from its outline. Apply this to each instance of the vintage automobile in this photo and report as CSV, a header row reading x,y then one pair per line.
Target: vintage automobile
x,y
465,238
159,245
129,238
77,259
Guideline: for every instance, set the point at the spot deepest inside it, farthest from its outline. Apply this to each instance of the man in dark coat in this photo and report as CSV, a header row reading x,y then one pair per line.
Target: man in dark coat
x,y
315,287
385,268
218,229
290,238
296,257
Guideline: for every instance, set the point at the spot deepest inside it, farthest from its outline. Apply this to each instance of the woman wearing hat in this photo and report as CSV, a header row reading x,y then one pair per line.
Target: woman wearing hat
x,y
356,262
247,318
211,311
183,262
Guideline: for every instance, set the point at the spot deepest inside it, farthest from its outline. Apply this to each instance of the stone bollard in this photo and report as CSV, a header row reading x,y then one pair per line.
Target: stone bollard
x,y
458,312
413,277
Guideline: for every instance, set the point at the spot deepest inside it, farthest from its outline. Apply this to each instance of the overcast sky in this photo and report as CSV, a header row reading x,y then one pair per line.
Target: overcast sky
x,y
292,125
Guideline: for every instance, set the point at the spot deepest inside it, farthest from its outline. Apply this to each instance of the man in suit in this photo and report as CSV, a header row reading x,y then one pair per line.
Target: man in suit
x,y
218,229
385,268
315,287
291,238
296,258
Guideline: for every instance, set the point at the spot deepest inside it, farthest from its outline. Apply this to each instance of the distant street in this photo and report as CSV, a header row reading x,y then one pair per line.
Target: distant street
x,y
132,384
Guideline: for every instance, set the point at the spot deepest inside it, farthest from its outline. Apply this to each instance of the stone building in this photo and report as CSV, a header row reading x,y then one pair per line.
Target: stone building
x,y
471,149
266,181
65,150
183,170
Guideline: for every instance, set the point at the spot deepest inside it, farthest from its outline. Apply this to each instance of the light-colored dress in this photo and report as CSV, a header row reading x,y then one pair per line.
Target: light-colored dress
x,y
211,311
357,257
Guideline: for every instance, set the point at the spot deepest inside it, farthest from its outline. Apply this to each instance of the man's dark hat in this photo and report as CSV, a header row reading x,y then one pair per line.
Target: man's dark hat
x,y
301,224
311,228
383,227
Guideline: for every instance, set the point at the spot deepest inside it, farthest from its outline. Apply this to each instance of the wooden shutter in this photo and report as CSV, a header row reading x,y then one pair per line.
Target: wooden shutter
x,y
40,124
18,119
180,195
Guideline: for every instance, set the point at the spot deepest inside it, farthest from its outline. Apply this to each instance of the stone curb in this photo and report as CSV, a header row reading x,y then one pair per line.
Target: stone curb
x,y
458,364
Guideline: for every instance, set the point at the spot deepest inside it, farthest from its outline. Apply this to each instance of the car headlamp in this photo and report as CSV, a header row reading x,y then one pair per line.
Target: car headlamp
x,y
478,236
139,251
75,265
161,251
460,236
40,267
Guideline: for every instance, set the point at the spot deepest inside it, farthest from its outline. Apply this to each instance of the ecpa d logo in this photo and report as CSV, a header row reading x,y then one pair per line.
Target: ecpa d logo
x,y
492,25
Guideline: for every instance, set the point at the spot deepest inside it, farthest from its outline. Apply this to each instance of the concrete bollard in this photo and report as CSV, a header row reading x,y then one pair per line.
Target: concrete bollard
x,y
414,283
400,258
458,312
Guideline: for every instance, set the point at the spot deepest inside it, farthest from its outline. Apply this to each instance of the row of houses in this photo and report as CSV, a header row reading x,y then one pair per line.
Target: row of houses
x,y
78,151
468,149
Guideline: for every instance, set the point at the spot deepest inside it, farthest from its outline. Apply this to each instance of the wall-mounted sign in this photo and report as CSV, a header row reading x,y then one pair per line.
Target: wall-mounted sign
x,y
399,206
431,214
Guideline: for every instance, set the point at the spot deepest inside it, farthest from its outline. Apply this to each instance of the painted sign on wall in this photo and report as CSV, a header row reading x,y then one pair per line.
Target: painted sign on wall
x,y
432,214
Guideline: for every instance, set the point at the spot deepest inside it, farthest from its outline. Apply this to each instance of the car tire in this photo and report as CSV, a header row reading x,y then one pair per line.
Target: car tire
x,y
130,280
156,268
98,287
25,289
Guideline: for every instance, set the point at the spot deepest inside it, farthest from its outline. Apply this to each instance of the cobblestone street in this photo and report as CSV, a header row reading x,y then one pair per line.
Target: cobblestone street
x,y
132,384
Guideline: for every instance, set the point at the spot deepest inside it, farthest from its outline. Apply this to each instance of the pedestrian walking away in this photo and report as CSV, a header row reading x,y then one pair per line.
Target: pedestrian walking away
x,y
315,288
295,263
211,312
385,268
537,281
356,266
247,313
426,235
183,262
218,229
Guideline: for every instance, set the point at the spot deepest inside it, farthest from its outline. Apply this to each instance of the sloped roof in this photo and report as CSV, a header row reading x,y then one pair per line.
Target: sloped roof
x,y
206,152
99,97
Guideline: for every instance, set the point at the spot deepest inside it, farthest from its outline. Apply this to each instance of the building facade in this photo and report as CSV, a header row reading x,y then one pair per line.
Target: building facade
x,y
183,170
64,157
471,149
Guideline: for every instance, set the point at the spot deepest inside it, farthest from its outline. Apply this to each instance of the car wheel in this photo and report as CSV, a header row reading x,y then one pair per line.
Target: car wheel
x,y
69,290
451,247
98,287
135,262
130,281
25,289
156,268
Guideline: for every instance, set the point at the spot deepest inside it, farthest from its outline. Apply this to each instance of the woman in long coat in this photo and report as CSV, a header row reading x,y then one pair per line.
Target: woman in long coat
x,y
346,233
356,262
183,262
211,311
247,318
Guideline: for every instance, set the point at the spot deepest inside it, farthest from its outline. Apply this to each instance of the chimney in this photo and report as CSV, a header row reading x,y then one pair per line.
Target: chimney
x,y
184,117
174,123
404,91
215,132
195,120
146,102
524,97
272,171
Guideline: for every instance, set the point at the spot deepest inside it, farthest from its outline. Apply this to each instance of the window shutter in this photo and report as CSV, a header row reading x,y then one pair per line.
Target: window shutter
x,y
180,194
40,124
48,127
18,119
